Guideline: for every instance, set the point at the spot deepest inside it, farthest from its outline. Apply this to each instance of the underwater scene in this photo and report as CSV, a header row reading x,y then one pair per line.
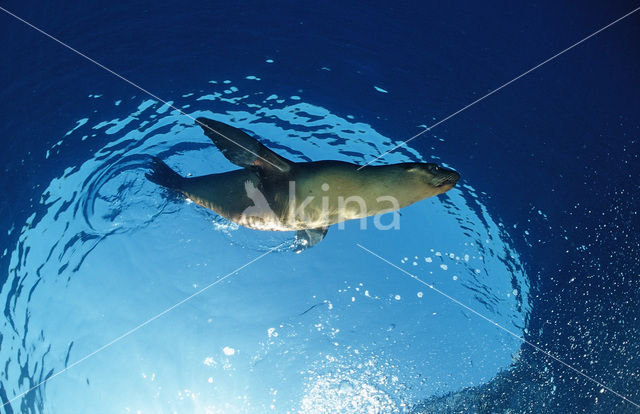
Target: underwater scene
x,y
299,207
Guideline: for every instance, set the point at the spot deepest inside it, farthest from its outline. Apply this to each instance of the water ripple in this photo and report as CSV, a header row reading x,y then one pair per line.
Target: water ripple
x,y
94,253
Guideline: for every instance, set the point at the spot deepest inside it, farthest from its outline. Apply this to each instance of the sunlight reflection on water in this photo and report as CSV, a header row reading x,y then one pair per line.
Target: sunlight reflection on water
x,y
322,332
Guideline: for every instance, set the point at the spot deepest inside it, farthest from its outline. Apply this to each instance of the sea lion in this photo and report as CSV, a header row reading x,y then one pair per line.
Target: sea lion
x,y
275,194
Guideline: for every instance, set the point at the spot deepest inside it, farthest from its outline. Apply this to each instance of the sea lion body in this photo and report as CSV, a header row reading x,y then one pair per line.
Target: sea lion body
x,y
275,194
312,195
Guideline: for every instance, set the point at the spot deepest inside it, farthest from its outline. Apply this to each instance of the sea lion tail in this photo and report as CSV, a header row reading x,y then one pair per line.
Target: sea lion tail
x,y
163,175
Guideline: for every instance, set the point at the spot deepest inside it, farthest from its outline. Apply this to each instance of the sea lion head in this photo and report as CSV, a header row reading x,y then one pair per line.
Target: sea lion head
x,y
438,179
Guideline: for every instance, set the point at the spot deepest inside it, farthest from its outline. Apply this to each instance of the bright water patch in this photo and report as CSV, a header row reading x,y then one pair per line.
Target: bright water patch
x,y
330,330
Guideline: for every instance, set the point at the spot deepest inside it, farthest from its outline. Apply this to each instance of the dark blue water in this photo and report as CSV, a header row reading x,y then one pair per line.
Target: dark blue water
x,y
540,236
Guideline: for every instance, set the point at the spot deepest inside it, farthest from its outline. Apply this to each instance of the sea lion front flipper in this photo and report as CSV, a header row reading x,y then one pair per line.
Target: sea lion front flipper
x,y
242,149
309,238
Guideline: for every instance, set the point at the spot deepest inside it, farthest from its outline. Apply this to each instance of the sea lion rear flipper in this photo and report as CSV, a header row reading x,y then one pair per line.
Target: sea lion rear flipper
x,y
309,238
163,175
242,149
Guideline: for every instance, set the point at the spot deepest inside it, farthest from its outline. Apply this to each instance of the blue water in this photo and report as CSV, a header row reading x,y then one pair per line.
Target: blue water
x,y
540,235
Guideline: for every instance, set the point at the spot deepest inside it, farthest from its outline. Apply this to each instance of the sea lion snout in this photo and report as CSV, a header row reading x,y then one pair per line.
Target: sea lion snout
x,y
440,176
449,177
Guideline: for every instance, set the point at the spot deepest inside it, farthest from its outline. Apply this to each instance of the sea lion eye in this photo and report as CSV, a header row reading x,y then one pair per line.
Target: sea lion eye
x,y
433,168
